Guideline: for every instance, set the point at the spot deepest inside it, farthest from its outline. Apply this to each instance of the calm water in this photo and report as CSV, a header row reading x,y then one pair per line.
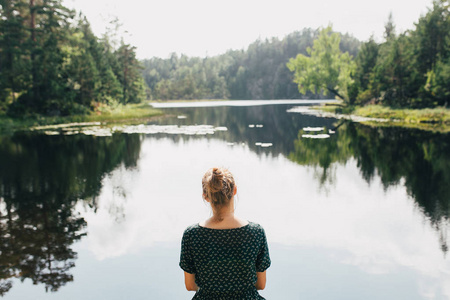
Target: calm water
x,y
98,213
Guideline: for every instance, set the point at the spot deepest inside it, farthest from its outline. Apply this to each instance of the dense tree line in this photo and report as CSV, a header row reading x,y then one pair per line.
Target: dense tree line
x,y
411,69
52,63
259,72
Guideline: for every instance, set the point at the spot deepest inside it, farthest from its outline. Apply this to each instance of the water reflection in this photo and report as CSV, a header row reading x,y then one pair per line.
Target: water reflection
x,y
253,126
420,159
41,180
138,191
417,159
364,232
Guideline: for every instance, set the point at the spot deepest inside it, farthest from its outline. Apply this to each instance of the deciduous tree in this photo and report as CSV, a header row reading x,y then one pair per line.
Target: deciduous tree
x,y
326,68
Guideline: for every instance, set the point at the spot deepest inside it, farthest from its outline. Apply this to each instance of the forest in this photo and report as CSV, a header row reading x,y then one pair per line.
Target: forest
x,y
407,69
259,72
51,63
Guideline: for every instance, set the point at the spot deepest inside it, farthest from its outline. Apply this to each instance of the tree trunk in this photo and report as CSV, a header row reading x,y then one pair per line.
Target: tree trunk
x,y
335,92
34,76
125,77
9,49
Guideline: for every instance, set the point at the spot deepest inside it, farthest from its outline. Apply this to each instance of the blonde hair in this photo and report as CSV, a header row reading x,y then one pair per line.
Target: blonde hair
x,y
218,187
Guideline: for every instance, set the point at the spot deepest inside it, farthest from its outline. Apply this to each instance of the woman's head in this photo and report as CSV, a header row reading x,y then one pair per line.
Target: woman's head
x,y
218,187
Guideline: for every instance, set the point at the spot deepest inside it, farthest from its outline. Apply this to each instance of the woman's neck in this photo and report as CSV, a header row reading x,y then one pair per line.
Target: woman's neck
x,y
224,219
223,215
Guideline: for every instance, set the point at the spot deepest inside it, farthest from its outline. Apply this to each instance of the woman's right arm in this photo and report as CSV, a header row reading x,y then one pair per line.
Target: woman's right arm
x,y
260,280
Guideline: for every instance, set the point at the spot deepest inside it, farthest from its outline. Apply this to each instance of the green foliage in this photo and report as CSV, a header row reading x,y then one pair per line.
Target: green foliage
x,y
326,68
259,72
438,82
432,36
389,28
365,63
419,160
129,74
428,118
52,64
105,113
186,78
395,76
410,69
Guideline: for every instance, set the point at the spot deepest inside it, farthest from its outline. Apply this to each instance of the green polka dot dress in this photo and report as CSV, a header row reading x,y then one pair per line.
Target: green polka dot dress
x,y
225,261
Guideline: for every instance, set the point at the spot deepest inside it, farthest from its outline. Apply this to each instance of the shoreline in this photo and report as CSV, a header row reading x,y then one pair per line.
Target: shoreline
x,y
435,119
123,113
429,119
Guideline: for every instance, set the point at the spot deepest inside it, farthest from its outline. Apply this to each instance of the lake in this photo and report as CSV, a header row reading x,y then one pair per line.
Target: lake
x,y
350,211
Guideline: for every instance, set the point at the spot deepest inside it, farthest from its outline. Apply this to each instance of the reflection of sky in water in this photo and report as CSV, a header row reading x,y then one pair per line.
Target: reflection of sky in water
x,y
354,233
349,240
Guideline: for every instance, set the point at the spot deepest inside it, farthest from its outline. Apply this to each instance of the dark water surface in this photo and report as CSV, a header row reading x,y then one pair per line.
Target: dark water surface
x,y
350,211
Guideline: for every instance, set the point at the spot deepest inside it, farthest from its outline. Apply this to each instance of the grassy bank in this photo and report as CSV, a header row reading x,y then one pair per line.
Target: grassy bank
x,y
427,115
436,119
120,113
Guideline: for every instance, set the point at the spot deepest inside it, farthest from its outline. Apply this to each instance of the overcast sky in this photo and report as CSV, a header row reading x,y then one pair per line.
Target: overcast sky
x,y
208,27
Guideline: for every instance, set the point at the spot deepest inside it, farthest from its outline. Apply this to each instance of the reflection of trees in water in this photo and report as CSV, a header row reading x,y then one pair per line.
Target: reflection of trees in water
x,y
421,160
321,154
280,128
41,180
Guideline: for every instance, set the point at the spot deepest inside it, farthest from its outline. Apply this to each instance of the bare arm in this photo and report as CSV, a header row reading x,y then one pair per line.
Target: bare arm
x,y
261,280
189,281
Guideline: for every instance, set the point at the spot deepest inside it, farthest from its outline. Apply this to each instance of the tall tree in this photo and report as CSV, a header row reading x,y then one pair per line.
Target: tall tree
x,y
51,64
366,61
432,36
129,74
389,28
13,68
327,69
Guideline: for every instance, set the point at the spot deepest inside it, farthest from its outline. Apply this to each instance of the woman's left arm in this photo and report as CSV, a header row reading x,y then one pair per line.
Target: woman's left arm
x,y
189,281
260,280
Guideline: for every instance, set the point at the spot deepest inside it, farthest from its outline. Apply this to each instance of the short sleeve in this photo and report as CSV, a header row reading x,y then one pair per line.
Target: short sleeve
x,y
263,258
186,261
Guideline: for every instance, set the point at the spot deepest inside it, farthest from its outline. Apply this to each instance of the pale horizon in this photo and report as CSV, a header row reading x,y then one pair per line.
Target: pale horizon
x,y
199,28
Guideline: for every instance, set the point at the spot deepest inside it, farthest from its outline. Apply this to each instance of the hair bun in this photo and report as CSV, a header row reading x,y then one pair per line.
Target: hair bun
x,y
218,186
216,182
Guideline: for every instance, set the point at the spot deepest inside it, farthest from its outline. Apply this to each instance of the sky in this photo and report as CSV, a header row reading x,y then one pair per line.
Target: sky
x,y
208,28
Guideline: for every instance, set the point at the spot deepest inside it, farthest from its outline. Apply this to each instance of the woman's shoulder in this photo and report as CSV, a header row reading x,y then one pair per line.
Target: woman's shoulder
x,y
192,227
255,226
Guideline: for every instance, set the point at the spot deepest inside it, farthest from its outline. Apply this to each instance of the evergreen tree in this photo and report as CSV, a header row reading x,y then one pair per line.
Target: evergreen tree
x,y
129,74
389,28
52,65
13,68
365,63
